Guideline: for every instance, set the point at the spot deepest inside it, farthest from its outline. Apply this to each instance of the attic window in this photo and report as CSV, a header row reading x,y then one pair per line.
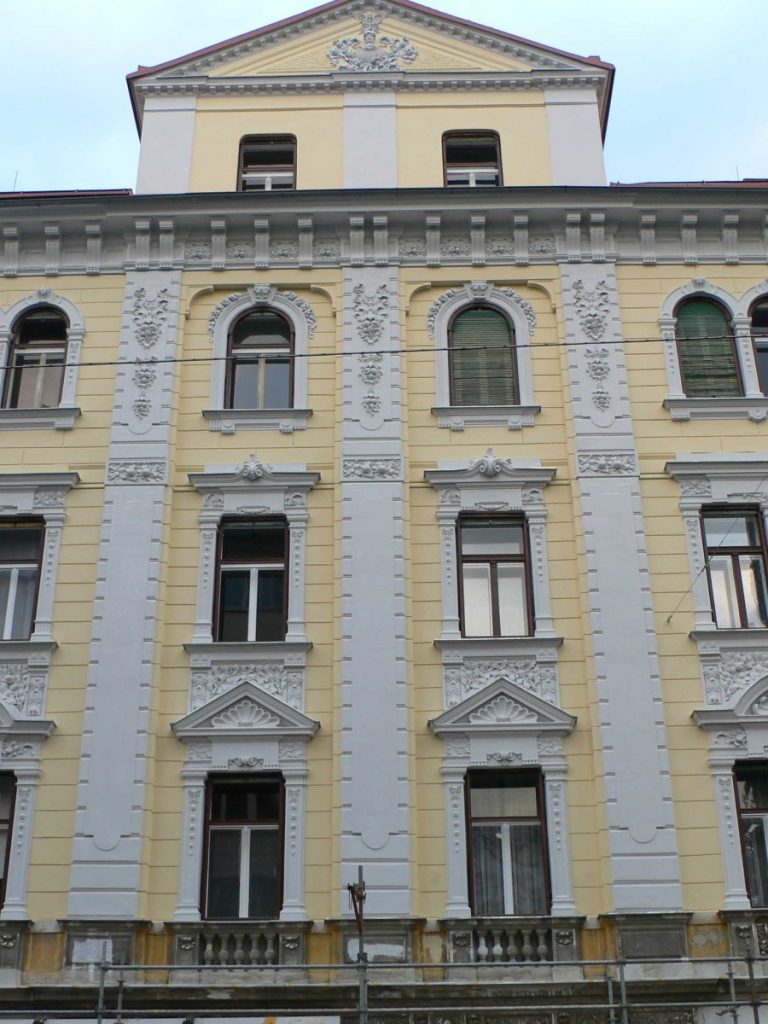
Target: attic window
x,y
267,163
471,159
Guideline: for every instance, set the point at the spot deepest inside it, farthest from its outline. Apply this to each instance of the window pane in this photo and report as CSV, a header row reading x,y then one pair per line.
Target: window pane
x,y
752,788
756,860
245,384
731,531
260,328
496,798
753,585
264,897
6,796
253,542
42,325
724,591
707,357
270,604
246,801
20,543
24,605
49,393
489,538
487,870
761,358
277,383
527,869
513,610
233,602
224,873
478,616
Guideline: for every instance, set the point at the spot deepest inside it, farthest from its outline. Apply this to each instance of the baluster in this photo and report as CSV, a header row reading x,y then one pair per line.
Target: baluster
x,y
513,947
208,952
527,947
482,949
269,953
238,954
497,947
543,947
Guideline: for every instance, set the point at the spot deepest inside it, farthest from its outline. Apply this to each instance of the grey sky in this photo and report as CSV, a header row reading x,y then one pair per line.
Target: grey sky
x,y
688,103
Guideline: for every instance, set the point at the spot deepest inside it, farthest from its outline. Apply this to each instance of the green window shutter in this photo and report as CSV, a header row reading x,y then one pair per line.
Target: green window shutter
x,y
706,352
482,359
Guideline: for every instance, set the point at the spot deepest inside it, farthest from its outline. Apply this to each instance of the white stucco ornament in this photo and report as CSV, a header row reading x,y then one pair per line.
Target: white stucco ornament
x,y
367,54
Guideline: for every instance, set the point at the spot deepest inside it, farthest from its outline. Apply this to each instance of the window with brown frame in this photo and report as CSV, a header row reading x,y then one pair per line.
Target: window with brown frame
x,y
508,868
471,159
36,358
706,350
267,163
260,362
251,595
496,592
752,800
482,362
243,875
760,341
734,541
21,549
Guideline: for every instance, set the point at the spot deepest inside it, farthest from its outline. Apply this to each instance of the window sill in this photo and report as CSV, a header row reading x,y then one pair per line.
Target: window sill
x,y
61,418
519,645
755,409
513,417
229,421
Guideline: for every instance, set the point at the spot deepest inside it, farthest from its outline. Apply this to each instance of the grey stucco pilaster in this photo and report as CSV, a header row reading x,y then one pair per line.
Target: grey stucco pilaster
x,y
374,755
640,817
105,880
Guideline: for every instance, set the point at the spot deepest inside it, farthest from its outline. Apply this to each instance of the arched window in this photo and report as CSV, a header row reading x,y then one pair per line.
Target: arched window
x,y
36,359
260,362
708,363
482,358
759,315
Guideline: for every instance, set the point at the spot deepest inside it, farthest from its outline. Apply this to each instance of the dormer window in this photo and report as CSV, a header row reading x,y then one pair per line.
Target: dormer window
x,y
267,163
471,159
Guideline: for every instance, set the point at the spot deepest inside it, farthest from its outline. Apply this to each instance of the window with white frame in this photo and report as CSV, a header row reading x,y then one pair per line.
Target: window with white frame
x,y
259,377
21,551
483,368
496,598
244,840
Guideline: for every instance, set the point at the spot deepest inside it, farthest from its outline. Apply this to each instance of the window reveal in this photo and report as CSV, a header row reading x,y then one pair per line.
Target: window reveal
x,y
736,560
495,577
508,873
252,598
244,848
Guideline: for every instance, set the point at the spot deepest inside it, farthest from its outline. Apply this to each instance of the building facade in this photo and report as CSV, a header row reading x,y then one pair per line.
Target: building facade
x,y
382,490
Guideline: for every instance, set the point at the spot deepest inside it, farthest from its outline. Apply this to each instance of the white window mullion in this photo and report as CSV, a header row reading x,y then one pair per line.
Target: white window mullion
x,y
245,854
9,608
253,595
506,869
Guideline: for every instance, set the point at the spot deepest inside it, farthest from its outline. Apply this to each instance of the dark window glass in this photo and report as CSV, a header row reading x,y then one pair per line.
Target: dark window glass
x,y
36,361
495,578
21,548
244,826
482,359
267,163
260,363
252,581
507,844
472,159
760,339
752,795
7,798
707,354
735,549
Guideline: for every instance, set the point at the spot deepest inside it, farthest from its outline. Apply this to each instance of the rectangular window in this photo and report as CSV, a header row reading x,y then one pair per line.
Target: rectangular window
x,y
21,548
471,159
508,866
752,798
736,560
244,848
267,163
495,577
760,340
252,593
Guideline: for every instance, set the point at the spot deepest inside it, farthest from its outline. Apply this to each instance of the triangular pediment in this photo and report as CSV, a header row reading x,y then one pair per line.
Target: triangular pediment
x,y
245,710
369,37
503,707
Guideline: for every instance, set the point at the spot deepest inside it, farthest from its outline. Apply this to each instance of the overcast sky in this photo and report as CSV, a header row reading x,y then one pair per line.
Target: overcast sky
x,y
688,104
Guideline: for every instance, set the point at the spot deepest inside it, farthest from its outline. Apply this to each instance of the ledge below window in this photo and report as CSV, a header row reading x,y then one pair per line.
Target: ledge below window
x,y
228,421
513,417
60,418
755,409
499,645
